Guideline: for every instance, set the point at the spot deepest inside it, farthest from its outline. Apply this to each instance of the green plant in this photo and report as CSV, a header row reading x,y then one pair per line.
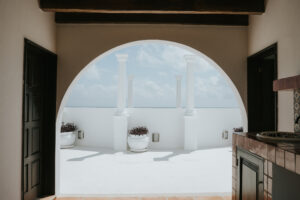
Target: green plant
x,y
68,127
141,130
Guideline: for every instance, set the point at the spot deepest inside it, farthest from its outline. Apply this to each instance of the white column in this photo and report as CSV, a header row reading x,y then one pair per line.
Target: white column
x,y
190,118
122,84
190,63
130,91
121,118
178,91
120,132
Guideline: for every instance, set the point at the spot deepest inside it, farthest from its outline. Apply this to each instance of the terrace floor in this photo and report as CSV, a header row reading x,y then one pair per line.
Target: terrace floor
x,y
98,172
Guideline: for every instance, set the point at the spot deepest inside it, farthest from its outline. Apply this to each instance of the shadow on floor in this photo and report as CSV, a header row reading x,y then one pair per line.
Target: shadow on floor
x,y
85,157
109,151
173,154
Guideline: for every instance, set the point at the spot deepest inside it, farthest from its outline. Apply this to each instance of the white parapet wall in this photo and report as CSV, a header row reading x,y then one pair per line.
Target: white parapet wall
x,y
98,125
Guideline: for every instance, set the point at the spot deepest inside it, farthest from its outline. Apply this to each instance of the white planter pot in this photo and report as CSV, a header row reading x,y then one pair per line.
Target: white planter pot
x,y
67,139
138,143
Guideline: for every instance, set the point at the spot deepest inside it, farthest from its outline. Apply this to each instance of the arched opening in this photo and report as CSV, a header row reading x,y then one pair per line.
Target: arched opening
x,y
207,60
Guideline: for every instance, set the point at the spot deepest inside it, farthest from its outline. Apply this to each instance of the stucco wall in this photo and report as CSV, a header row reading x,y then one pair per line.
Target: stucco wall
x,y
97,124
77,45
280,24
18,19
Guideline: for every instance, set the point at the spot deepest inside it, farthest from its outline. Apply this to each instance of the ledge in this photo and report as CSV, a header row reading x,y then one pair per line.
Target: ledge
x,y
287,83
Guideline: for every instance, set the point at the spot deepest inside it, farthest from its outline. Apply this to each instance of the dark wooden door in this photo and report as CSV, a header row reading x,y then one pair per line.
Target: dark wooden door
x,y
262,101
38,126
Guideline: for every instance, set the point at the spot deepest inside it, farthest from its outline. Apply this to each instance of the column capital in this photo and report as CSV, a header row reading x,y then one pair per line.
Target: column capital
x,y
178,77
190,58
122,57
130,77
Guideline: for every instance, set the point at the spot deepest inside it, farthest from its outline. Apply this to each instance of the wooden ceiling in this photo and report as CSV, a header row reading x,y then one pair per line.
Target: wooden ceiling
x,y
218,12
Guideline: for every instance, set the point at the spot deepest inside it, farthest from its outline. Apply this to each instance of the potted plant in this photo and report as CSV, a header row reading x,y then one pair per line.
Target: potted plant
x,y
138,139
67,135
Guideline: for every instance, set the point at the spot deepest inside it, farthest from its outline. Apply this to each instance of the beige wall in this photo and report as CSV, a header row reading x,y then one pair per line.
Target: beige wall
x,y
18,19
77,45
280,23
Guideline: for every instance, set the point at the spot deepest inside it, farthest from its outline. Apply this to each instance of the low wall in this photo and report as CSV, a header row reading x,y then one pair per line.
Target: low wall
x,y
97,124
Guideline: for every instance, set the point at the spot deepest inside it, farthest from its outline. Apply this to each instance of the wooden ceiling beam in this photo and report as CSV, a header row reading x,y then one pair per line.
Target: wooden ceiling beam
x,y
108,18
239,7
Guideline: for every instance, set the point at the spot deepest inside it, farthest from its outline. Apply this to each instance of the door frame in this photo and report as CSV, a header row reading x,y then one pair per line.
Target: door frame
x,y
271,50
48,189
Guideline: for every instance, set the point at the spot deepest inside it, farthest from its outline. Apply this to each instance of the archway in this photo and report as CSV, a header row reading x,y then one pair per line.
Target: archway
x,y
196,52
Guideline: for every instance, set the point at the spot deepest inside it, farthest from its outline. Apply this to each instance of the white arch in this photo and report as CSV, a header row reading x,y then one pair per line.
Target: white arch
x,y
67,94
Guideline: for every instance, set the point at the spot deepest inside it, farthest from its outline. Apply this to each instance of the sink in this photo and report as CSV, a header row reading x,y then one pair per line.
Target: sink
x,y
274,136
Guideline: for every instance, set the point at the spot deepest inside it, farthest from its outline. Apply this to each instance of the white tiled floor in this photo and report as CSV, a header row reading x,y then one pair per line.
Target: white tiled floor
x,y
92,171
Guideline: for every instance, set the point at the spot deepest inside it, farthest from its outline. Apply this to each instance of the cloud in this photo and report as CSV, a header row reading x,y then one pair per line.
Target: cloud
x,y
154,67
147,57
168,56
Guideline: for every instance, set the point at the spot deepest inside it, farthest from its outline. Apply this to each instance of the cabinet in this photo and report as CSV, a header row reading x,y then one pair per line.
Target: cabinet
x,y
250,176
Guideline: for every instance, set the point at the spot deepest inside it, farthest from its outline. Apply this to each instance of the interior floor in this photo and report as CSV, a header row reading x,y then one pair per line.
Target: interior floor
x,y
149,198
92,172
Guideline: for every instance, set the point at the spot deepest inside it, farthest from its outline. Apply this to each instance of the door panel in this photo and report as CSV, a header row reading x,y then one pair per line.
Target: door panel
x,y
38,121
249,182
33,121
262,101
250,176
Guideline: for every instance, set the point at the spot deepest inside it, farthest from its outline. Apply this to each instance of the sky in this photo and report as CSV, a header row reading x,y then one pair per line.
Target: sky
x,y
154,67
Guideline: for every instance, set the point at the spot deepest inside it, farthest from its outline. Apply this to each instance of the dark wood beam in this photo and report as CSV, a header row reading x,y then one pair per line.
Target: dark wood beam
x,y
290,83
156,6
87,18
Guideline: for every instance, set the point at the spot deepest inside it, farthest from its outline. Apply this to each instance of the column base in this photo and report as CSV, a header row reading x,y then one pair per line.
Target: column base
x,y
190,133
121,113
190,112
120,130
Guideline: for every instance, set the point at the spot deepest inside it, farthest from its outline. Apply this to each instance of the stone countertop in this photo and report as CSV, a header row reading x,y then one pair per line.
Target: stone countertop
x,y
286,155
290,147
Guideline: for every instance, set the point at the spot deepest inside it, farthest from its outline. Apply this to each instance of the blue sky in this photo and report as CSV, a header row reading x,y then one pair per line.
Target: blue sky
x,y
154,67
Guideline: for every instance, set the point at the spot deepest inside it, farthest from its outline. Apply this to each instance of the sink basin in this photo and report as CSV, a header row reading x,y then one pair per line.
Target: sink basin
x,y
273,136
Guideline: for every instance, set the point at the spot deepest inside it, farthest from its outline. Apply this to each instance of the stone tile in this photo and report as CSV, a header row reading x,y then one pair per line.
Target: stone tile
x,y
48,198
258,148
233,194
234,161
280,157
227,198
269,197
234,136
265,183
290,161
271,153
153,198
266,167
234,175
181,198
265,195
240,140
124,198
234,185
269,185
298,164
209,198
270,169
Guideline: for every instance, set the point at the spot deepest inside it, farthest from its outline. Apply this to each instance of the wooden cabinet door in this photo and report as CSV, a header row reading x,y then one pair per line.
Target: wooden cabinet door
x,y
250,176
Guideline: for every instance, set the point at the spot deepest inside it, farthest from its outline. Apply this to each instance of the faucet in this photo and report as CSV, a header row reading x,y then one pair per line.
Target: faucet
x,y
297,120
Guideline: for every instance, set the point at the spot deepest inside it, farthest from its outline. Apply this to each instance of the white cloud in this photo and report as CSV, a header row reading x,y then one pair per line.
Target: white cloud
x,y
152,87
